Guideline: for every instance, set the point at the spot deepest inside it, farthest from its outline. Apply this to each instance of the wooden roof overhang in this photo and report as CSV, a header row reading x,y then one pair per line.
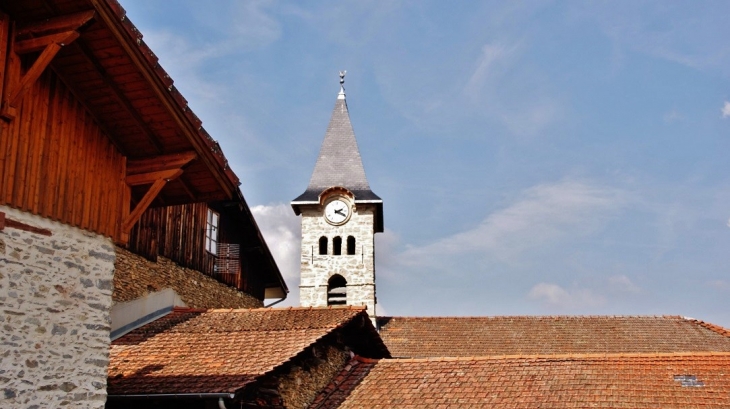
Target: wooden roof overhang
x,y
100,55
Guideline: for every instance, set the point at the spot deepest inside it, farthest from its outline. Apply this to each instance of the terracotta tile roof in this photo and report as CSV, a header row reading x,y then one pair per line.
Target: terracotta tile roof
x,y
690,380
220,351
414,337
334,394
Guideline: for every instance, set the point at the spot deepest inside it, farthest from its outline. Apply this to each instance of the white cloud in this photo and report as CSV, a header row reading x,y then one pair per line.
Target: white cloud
x,y
488,65
542,215
721,285
281,229
253,24
183,61
623,284
692,41
672,116
553,295
187,55
526,106
726,110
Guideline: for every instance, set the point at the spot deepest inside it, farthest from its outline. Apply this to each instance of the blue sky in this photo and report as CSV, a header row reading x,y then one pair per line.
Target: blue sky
x,y
534,157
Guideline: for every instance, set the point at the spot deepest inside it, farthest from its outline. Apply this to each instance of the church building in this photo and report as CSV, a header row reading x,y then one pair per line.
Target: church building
x,y
340,216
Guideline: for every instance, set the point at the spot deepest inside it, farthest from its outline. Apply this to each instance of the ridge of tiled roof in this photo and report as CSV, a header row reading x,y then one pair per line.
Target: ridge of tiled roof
x,y
717,328
673,380
641,355
191,351
559,317
416,337
292,308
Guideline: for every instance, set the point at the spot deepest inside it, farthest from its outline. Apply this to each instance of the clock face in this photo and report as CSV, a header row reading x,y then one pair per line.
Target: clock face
x,y
337,212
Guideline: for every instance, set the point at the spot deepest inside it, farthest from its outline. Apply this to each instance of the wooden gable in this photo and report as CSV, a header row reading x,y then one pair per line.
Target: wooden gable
x,y
93,130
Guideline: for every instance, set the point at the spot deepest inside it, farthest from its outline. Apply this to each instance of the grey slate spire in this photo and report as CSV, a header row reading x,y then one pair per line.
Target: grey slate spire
x,y
339,162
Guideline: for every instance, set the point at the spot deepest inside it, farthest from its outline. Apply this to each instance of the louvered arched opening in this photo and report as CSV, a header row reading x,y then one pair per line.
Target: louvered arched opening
x,y
337,290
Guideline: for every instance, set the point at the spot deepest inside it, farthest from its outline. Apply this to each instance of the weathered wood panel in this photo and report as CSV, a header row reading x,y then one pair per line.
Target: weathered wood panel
x,y
178,233
56,162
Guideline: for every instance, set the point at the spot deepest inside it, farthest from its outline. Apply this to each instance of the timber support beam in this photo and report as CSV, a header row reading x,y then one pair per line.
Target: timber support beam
x,y
47,37
157,171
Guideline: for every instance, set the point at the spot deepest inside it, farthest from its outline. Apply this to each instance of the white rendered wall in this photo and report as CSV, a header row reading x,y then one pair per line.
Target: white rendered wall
x,y
55,298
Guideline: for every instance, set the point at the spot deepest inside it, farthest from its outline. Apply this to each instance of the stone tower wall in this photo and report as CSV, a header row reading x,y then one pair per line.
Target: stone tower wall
x,y
357,269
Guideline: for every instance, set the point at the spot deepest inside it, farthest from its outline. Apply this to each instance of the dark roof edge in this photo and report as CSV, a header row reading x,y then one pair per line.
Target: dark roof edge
x,y
277,276
176,395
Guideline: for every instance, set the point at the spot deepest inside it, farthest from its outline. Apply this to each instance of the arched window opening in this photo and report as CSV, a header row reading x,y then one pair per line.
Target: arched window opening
x,y
337,246
323,245
350,245
337,290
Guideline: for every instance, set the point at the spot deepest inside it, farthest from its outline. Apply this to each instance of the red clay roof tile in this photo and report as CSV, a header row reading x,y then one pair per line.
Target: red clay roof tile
x,y
216,351
485,336
685,380
334,394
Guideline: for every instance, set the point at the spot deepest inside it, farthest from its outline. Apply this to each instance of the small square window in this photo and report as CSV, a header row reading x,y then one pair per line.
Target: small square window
x,y
211,232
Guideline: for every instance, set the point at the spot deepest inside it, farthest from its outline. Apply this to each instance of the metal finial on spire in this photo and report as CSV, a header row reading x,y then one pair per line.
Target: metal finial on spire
x,y
341,95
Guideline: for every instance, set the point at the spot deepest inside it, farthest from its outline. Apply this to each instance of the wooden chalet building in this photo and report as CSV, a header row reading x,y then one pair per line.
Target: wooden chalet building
x,y
103,167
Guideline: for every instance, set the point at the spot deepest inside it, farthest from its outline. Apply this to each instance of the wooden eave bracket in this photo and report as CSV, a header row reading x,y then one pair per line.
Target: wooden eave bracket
x,y
156,171
48,37
159,163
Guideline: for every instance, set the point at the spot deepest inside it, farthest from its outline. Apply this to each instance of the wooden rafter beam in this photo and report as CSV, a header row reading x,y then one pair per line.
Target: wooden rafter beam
x,y
158,179
143,204
156,171
18,88
152,177
48,37
120,97
69,22
32,45
159,163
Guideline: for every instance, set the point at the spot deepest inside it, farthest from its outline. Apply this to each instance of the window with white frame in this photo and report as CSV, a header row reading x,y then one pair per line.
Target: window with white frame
x,y
211,232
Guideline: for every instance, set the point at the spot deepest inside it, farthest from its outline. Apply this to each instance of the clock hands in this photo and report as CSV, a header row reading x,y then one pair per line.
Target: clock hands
x,y
340,212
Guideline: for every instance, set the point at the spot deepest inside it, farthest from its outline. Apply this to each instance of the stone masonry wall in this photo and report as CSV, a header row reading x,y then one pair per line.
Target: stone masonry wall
x,y
136,276
55,298
300,386
357,269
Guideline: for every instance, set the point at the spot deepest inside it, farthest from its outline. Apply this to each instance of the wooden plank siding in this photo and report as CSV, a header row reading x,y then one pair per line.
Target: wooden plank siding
x,y
56,162
178,233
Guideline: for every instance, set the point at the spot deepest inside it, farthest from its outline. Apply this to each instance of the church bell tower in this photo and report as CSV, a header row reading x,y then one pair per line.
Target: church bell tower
x,y
340,216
